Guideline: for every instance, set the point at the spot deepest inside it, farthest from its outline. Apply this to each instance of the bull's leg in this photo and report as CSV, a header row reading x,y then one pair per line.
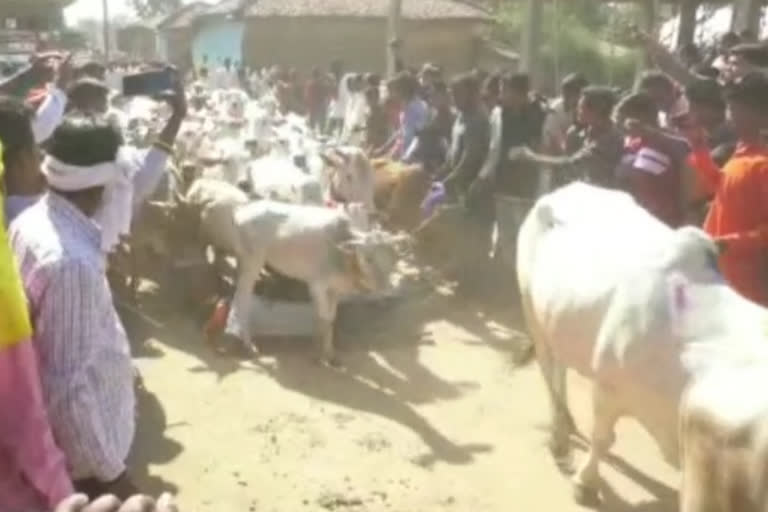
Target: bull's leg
x,y
326,304
133,256
220,268
242,305
605,414
554,379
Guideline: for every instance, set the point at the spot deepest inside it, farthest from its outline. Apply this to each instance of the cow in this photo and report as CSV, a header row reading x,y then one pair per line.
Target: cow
x,y
349,175
724,448
400,190
640,309
280,179
313,244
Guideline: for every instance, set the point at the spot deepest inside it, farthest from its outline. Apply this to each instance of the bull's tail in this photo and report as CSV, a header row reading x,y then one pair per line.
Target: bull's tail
x,y
540,219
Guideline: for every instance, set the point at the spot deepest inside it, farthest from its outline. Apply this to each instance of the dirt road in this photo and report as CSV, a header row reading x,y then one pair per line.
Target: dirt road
x,y
430,414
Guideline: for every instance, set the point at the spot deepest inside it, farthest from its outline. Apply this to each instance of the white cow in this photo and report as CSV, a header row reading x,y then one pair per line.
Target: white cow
x,y
724,441
277,177
316,245
640,309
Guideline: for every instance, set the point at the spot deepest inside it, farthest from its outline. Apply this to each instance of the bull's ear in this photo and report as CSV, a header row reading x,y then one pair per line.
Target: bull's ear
x,y
347,247
328,160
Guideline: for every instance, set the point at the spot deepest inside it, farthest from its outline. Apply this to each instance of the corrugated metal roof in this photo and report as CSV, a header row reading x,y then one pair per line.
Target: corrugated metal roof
x,y
412,9
184,16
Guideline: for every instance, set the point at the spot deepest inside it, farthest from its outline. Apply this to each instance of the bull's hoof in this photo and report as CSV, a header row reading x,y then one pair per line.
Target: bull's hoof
x,y
250,350
560,450
330,362
586,495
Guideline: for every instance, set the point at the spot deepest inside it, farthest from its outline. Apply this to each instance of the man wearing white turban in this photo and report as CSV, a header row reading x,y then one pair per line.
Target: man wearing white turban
x,y
59,242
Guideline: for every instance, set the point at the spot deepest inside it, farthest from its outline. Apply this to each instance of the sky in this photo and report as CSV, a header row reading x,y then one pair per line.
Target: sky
x,y
83,9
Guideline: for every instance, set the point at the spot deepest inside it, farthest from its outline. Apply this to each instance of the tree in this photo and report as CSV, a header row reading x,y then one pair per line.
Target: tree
x,y
577,35
152,8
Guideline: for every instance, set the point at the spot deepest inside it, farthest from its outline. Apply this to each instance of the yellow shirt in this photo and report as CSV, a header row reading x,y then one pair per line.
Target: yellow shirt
x,y
14,317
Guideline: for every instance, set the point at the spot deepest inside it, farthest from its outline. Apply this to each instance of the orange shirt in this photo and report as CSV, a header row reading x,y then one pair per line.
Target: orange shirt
x,y
739,216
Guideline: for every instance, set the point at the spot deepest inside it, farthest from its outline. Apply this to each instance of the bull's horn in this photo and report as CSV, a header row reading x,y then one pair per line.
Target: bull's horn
x,y
343,156
179,197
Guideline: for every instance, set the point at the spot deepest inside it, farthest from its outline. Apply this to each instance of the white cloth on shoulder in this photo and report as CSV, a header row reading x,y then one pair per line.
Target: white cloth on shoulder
x,y
116,211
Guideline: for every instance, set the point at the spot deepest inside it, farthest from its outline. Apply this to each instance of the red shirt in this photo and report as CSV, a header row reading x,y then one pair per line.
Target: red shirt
x,y
739,216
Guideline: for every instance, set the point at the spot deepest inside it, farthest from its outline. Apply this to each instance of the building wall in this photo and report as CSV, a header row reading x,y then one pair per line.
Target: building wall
x,y
31,16
137,42
361,43
218,40
177,46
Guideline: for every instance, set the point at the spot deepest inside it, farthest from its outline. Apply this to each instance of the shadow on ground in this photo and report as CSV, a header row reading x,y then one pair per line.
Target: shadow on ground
x,y
152,444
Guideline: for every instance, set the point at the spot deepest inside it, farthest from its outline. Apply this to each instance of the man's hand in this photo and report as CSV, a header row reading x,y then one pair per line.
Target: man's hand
x,y
722,245
137,503
697,136
64,73
480,184
518,153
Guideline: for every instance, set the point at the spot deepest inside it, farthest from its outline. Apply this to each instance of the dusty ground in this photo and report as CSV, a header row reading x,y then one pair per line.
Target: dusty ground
x,y
431,413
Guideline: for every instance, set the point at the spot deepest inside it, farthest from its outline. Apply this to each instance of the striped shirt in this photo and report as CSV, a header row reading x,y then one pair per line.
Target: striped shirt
x,y
85,361
653,177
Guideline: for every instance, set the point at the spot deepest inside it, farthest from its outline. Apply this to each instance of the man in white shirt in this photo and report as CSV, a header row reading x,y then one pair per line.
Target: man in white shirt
x,y
562,115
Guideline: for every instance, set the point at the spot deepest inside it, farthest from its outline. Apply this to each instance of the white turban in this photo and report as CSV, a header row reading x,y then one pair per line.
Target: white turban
x,y
115,214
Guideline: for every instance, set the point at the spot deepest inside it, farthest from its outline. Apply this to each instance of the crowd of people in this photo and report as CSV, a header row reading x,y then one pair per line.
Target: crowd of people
x,y
70,184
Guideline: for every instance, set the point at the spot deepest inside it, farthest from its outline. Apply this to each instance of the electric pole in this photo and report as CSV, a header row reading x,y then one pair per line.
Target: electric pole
x,y
105,15
393,35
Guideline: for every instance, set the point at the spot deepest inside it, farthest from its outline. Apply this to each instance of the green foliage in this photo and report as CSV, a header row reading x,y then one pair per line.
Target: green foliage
x,y
583,36
147,9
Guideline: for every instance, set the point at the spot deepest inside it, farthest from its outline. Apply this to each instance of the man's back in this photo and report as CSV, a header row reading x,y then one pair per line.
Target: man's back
x,y
86,369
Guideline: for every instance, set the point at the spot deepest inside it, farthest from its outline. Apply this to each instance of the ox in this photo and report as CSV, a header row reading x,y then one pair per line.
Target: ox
x,y
724,443
638,308
312,244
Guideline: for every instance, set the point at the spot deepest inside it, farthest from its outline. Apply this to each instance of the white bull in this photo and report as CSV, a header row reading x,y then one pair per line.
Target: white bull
x,y
313,244
724,441
640,309
277,177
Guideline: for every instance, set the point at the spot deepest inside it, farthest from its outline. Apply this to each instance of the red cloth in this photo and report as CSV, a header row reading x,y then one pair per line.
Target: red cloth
x,y
739,216
35,97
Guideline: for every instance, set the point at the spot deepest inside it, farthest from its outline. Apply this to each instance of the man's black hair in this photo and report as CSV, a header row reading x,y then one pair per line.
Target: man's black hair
x,y
707,92
574,83
85,140
749,91
372,94
440,86
466,81
754,53
492,84
706,71
520,82
599,99
406,83
730,38
651,79
639,105
747,35
15,129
